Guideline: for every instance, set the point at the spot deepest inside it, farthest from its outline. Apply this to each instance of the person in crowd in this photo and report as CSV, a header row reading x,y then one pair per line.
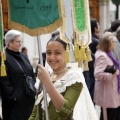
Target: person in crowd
x,y
95,29
107,78
64,88
24,50
118,34
114,25
16,105
116,51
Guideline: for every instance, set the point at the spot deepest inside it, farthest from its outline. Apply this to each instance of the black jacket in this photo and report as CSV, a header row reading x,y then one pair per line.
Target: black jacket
x,y
94,44
16,105
93,49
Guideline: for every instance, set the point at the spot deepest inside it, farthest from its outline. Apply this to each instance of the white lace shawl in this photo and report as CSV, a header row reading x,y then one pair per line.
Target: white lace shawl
x,y
84,108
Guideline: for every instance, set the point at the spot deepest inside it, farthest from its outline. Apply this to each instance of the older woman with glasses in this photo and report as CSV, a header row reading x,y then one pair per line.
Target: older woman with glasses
x,y
107,84
16,104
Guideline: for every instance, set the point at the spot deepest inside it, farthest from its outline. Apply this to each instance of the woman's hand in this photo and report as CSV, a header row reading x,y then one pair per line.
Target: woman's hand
x,y
43,73
55,96
116,73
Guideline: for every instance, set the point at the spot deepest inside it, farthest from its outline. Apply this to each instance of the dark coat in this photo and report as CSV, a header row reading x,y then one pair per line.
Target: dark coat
x,y
93,49
94,44
16,105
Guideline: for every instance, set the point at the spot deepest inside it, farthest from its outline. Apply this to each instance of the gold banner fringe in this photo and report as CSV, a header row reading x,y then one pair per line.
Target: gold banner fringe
x,y
76,51
3,69
67,54
82,52
4,56
37,31
88,53
80,64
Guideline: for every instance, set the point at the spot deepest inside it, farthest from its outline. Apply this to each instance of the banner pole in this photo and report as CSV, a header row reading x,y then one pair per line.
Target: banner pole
x,y
44,90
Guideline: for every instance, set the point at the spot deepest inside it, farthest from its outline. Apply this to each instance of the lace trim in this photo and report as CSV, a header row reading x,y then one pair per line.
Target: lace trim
x,y
84,108
70,78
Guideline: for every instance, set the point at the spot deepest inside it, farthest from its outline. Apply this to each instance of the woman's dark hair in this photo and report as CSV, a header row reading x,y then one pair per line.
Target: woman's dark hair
x,y
56,37
94,25
56,33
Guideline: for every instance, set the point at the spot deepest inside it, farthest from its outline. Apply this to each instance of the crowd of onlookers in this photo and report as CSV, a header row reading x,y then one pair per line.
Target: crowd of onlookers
x,y
104,70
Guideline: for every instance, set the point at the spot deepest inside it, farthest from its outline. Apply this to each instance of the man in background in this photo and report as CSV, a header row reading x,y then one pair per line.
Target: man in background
x,y
95,31
24,50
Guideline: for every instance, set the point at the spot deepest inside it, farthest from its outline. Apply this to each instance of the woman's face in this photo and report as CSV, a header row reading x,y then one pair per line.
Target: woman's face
x,y
16,44
55,55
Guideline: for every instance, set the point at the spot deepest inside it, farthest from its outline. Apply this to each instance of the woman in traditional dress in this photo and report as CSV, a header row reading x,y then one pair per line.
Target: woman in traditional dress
x,y
67,94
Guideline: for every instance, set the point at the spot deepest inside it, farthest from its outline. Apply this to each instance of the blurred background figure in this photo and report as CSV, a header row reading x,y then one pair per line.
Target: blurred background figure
x,y
95,30
24,50
118,34
116,51
114,25
107,78
115,28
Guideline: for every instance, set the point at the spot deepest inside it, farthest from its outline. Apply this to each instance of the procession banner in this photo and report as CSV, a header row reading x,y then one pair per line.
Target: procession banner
x,y
1,28
35,17
81,20
82,32
2,52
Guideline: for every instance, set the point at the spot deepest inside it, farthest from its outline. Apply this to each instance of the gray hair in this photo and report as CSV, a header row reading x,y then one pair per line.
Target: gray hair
x,y
118,33
10,36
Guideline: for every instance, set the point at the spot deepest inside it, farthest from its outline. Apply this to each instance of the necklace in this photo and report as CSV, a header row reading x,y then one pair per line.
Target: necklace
x,y
55,74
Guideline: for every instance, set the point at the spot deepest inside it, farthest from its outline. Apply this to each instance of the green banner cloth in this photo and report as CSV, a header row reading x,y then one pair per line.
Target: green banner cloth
x,y
81,21
35,17
1,30
80,15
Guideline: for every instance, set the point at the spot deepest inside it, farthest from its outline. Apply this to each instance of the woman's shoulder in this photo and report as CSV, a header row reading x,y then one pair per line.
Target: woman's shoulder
x,y
74,75
100,53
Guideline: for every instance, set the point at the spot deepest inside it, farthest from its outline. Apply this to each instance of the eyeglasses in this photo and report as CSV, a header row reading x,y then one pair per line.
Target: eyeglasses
x,y
18,41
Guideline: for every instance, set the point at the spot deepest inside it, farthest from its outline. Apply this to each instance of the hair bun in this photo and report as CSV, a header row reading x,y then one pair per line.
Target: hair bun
x,y
56,33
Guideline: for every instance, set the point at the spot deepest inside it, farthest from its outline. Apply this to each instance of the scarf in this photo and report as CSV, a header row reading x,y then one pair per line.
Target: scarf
x,y
116,63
